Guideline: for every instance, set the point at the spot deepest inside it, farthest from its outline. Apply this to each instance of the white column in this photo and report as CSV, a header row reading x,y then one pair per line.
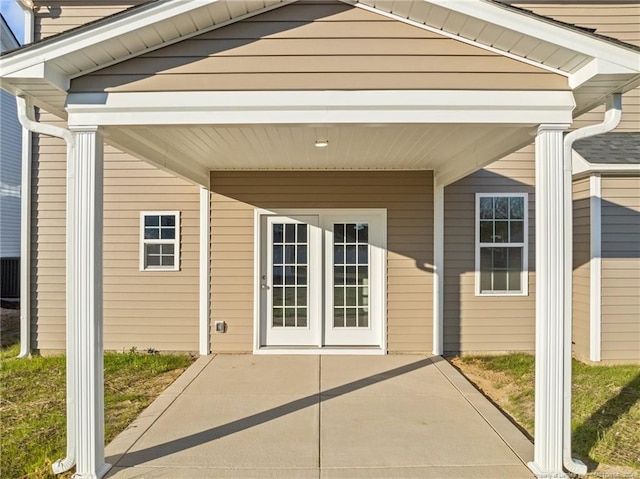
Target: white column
x,y
438,268
205,271
550,299
595,265
84,278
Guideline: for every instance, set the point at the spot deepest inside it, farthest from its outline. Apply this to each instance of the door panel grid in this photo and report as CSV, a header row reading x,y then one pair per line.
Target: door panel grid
x,y
351,275
290,275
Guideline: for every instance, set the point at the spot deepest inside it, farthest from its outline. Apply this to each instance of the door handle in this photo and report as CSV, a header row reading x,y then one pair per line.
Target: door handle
x,y
264,286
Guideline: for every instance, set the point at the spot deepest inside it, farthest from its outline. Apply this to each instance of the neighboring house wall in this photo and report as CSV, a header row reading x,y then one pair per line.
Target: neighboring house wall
x,y
408,198
620,268
154,309
581,268
485,324
10,177
330,46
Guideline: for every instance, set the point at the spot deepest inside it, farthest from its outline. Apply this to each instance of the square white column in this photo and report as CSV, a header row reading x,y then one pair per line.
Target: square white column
x,y
84,297
550,301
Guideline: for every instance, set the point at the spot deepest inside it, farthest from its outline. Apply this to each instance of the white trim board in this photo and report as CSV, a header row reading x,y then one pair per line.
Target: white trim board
x,y
595,268
321,107
582,166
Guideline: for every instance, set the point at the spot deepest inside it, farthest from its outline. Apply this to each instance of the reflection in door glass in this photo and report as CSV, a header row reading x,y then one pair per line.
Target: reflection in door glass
x,y
351,275
289,274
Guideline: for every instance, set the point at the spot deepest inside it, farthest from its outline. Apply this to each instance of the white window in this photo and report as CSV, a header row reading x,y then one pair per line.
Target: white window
x,y
501,244
159,241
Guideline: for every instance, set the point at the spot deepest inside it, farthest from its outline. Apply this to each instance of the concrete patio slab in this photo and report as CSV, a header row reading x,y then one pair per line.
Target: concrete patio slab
x,y
226,431
356,432
245,416
249,374
395,375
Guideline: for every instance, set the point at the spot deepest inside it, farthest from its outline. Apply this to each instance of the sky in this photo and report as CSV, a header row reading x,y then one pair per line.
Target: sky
x,y
14,16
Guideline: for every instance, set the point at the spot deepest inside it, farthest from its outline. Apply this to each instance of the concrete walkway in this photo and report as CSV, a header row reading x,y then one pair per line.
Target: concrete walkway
x,y
333,417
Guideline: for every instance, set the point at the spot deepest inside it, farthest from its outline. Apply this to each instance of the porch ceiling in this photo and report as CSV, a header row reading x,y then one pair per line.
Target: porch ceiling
x,y
452,150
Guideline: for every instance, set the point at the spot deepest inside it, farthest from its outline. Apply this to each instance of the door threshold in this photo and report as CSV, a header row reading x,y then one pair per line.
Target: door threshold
x,y
322,351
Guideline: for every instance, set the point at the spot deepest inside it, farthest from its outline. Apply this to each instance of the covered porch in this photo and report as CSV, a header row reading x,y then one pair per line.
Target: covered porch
x,y
447,124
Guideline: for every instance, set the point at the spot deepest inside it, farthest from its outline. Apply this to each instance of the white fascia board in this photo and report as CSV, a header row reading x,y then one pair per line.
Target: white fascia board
x,y
582,166
146,16
42,71
101,35
597,66
323,107
538,28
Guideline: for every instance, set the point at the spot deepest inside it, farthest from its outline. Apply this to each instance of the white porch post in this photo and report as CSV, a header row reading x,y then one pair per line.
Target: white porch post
x,y
550,238
205,272
438,268
84,277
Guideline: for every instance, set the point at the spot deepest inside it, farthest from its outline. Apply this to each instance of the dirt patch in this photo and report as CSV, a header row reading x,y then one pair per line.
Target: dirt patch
x,y
9,327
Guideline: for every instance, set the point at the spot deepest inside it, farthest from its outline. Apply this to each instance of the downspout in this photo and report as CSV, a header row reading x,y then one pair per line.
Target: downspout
x,y
611,120
27,120
25,211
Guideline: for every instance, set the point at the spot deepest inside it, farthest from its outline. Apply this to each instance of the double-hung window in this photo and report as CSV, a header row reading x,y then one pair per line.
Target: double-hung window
x,y
159,241
501,243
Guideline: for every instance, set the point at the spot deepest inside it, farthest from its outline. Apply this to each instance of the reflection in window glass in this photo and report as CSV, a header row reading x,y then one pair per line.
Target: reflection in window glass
x,y
351,275
289,269
501,233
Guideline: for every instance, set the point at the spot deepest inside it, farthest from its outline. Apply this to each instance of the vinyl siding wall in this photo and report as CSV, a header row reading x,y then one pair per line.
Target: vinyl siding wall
x,y
485,324
144,310
581,268
330,46
620,269
10,175
408,198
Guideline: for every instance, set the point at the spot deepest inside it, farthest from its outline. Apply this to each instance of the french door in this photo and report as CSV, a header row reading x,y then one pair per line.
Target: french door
x,y
322,279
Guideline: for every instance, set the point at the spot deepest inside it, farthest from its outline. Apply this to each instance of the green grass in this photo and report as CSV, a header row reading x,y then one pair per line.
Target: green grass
x,y
32,407
606,404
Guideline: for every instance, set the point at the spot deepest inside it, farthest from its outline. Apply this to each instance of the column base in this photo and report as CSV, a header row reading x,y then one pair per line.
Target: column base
x,y
542,474
100,473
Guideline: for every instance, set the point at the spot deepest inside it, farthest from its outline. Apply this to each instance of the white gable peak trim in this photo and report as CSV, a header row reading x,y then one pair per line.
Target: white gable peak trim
x,y
539,28
323,107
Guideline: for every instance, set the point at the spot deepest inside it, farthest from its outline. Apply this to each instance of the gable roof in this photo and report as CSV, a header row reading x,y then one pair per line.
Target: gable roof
x,y
595,66
610,148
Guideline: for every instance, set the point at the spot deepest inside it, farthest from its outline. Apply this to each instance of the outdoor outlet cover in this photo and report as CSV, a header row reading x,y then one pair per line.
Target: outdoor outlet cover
x,y
220,326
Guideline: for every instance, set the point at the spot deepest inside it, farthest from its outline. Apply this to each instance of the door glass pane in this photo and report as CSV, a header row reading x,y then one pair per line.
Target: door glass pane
x,y
351,275
289,268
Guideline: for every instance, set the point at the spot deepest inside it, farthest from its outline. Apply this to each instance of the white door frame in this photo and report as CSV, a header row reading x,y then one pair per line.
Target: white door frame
x,y
258,251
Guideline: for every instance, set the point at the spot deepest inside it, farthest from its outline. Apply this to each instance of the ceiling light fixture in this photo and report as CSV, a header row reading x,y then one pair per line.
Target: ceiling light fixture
x,y
321,143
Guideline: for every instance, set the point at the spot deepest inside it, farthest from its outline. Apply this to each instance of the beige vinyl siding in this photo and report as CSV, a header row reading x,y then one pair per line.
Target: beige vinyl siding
x,y
144,310
581,267
141,309
616,20
485,324
57,16
330,46
620,269
408,198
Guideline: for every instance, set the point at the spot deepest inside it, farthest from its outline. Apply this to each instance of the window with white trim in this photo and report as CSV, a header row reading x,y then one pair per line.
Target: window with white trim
x,y
501,243
159,241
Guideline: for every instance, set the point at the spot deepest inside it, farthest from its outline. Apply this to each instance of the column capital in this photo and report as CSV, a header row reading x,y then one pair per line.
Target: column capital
x,y
552,127
84,128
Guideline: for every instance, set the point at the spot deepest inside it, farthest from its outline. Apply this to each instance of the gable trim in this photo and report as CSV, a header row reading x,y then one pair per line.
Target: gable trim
x,y
452,36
